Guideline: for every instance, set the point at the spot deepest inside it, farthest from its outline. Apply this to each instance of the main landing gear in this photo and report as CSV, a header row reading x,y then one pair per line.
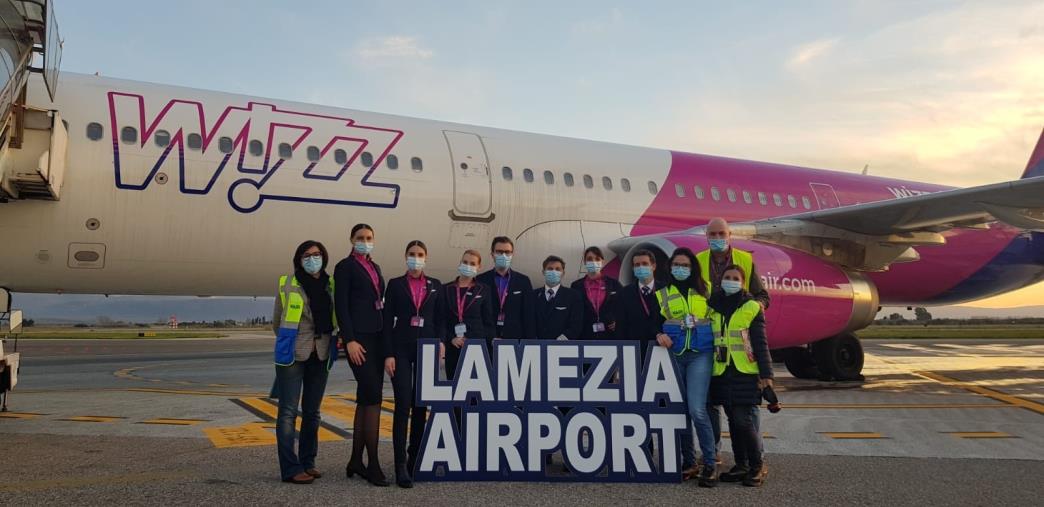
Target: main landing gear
x,y
836,358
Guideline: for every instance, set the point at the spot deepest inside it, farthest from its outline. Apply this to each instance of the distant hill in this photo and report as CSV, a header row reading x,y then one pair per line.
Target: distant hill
x,y
967,312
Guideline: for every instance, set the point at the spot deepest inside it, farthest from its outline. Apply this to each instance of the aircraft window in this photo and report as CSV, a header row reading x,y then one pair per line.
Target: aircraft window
x,y
256,148
507,173
225,145
527,175
588,181
607,183
340,156
367,159
285,150
568,179
625,184
791,201
129,135
777,199
162,138
731,193
313,153
698,191
549,178
805,202
679,190
762,198
94,131
416,164
715,194
195,142
746,197
652,187
393,162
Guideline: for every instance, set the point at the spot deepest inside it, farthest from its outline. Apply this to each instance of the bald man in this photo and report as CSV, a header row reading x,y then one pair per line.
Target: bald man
x,y
720,255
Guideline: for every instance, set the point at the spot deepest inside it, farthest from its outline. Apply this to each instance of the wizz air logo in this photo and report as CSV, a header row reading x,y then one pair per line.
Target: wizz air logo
x,y
905,192
256,153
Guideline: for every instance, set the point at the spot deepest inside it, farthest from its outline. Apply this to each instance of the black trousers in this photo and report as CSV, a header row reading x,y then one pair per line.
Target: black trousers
x,y
369,376
743,431
407,413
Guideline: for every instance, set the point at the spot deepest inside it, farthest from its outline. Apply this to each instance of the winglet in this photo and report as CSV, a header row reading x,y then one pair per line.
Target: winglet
x,y
1035,167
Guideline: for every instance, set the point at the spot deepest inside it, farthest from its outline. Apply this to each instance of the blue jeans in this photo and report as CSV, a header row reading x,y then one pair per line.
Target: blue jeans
x,y
310,377
695,369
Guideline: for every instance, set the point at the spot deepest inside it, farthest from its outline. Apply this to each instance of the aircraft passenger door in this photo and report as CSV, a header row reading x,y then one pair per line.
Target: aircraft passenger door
x,y
825,196
472,185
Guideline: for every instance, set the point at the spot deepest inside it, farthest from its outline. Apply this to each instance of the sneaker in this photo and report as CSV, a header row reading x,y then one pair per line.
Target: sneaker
x,y
756,477
735,474
708,477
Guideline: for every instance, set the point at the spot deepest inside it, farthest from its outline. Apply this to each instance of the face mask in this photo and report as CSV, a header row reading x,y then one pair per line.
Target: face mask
x,y
719,245
312,264
502,261
731,286
642,272
680,273
552,277
467,271
414,263
363,247
593,266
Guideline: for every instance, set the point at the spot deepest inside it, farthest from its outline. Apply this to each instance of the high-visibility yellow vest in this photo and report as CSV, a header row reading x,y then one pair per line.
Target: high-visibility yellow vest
x,y
674,306
735,338
741,258
292,298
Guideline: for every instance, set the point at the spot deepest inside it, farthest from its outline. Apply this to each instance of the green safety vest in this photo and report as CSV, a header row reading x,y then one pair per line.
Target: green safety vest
x,y
735,338
292,298
740,258
674,307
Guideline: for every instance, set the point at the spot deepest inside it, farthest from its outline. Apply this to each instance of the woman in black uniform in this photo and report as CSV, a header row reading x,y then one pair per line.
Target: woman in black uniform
x,y
359,302
600,298
468,310
413,309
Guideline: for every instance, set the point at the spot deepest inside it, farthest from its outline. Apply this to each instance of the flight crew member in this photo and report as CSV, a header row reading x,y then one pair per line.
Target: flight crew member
x,y
512,291
683,311
469,313
413,308
600,294
637,304
557,310
359,303
305,349
742,368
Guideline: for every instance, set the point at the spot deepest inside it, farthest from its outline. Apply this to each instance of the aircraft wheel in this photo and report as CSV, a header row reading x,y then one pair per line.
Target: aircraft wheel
x,y
800,363
840,357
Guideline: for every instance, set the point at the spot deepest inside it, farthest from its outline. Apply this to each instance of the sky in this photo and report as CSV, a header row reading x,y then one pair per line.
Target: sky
x,y
938,91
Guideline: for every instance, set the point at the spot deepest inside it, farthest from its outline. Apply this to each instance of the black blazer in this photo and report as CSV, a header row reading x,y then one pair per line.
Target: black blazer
x,y
479,315
517,324
354,298
607,313
632,322
400,337
563,315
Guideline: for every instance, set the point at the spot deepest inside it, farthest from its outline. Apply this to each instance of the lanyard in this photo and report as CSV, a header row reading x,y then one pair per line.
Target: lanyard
x,y
596,303
460,302
371,273
417,296
503,293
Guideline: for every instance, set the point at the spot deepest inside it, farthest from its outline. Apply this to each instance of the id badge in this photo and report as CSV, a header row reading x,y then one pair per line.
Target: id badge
x,y
460,329
379,304
690,321
598,327
500,319
417,321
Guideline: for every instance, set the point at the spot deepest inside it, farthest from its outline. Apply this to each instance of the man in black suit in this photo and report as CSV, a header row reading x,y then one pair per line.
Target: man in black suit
x,y
638,309
512,290
558,311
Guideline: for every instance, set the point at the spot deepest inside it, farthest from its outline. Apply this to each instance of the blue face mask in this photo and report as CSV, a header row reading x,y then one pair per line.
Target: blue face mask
x,y
642,272
363,247
502,261
680,273
593,266
467,271
414,263
718,245
552,277
312,264
731,286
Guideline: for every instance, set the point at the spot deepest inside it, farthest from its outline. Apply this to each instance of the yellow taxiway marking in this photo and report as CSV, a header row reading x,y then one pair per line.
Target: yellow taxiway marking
x,y
272,411
896,405
247,435
989,393
19,415
92,418
173,422
189,391
346,412
980,434
852,435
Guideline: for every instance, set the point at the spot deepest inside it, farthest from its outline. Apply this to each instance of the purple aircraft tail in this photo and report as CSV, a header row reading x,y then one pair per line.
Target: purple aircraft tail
x,y
1035,167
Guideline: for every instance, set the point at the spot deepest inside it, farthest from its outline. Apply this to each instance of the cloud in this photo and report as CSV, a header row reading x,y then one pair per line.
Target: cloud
x,y
601,23
392,47
805,53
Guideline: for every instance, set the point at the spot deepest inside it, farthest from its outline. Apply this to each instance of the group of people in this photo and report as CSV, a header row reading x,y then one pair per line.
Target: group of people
x,y
706,307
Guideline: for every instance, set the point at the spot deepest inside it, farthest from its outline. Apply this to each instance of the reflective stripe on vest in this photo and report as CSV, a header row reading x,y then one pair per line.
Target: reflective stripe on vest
x,y
673,306
741,258
739,349
292,299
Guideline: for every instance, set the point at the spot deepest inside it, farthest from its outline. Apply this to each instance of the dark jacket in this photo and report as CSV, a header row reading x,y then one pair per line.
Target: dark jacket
x,y
563,315
400,337
355,299
479,315
633,323
606,315
734,387
517,324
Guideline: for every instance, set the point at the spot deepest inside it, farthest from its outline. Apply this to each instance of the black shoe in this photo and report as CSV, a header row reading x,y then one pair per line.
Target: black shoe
x,y
353,468
708,477
756,476
375,476
402,477
735,474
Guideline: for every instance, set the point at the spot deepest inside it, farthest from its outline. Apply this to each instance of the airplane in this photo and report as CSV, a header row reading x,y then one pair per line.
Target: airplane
x,y
112,186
